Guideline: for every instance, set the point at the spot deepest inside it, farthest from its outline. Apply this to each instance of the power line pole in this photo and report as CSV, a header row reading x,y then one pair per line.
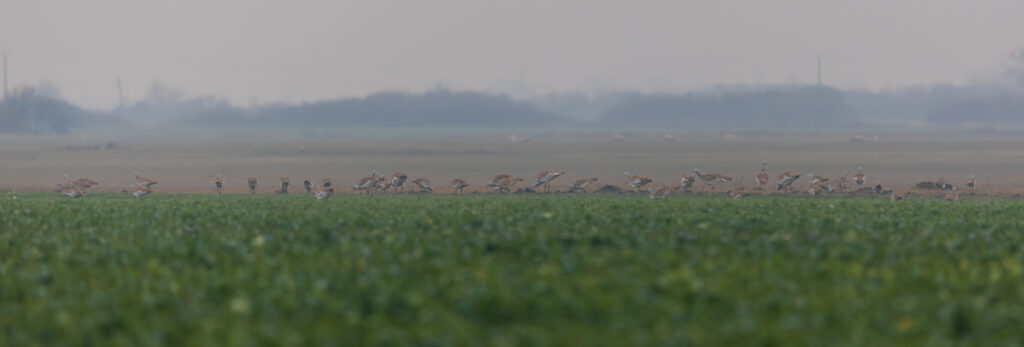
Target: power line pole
x,y
5,75
120,95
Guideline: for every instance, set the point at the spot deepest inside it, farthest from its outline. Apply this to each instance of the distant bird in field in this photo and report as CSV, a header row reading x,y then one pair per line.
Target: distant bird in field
x,y
859,177
325,193
63,183
712,179
497,180
687,181
786,179
581,184
285,182
84,183
382,185
762,177
814,190
307,185
659,193
635,181
141,190
398,181
878,189
898,196
941,183
952,195
459,184
327,183
72,192
424,184
506,184
843,182
252,185
366,184
816,180
219,184
545,178
736,195
144,181
970,183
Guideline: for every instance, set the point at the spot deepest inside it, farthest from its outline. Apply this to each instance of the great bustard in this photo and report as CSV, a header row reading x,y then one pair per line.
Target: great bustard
x,y
459,184
545,178
424,184
219,184
712,179
307,185
635,181
325,193
786,179
581,184
285,182
970,183
252,185
952,195
367,184
858,178
687,181
144,181
141,190
398,181
498,180
762,177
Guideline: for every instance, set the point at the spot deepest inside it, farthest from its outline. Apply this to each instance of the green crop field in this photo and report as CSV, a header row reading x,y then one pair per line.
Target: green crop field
x,y
616,270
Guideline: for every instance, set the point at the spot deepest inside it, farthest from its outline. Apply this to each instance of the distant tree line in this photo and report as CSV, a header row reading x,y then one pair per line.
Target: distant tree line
x,y
27,111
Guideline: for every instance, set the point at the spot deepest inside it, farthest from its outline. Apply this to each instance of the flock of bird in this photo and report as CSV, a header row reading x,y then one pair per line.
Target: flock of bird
x,y
503,183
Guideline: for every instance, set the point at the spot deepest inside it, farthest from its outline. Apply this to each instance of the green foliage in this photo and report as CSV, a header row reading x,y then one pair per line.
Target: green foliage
x,y
191,270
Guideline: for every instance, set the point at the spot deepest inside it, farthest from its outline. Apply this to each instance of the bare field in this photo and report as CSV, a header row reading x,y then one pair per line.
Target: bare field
x,y
188,163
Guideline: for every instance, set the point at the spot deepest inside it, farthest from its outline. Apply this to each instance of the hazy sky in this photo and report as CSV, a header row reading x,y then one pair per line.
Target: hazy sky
x,y
266,51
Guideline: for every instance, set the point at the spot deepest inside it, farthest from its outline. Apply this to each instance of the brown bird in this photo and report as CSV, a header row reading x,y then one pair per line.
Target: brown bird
x,y
970,183
285,182
505,185
219,184
898,196
545,178
398,181
366,184
687,181
735,195
327,183
762,177
141,190
786,179
325,193
636,181
712,179
581,184
252,185
843,182
496,181
424,184
458,184
816,180
307,185
144,181
859,177
83,183
659,193
952,195
72,192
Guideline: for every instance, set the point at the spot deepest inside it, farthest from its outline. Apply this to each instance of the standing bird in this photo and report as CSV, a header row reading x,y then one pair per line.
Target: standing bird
x,y
970,183
636,181
398,181
762,177
285,182
496,181
843,182
816,180
366,183
686,183
308,185
859,177
458,184
952,195
735,195
252,185
144,181
327,183
712,179
506,184
897,196
219,184
786,179
424,184
581,184
545,178
83,183
660,193
141,190
72,192
325,193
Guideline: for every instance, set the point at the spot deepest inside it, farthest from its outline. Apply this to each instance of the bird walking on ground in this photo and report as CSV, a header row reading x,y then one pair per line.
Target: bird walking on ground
x,y
141,190
581,184
285,182
252,185
327,183
843,182
144,181
307,185
817,180
366,184
659,193
970,183
545,178
712,179
786,179
325,193
762,177
459,184
498,180
424,184
72,192
687,181
952,195
219,184
398,181
899,196
635,181
858,178
505,184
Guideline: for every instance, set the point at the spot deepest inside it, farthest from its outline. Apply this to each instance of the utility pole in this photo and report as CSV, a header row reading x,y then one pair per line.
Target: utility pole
x,y
819,71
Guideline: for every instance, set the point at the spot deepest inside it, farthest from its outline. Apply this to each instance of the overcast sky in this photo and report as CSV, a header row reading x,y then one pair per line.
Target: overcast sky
x,y
267,51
